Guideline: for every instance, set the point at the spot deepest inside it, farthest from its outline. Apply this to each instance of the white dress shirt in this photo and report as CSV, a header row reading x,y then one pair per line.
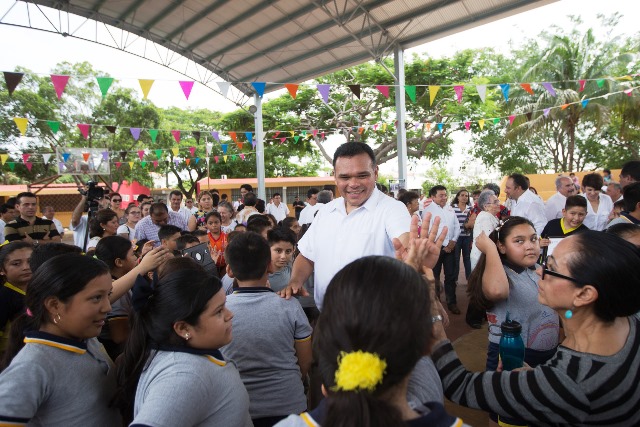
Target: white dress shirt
x,y
335,239
553,207
2,224
448,217
598,220
307,214
183,212
280,212
530,206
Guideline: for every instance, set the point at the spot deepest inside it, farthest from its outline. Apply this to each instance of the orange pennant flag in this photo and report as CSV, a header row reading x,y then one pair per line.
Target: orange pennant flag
x,y
86,156
233,136
293,89
564,106
187,161
145,85
527,87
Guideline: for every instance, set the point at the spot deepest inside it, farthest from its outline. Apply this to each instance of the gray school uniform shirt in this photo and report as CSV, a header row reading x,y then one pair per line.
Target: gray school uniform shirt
x,y
55,381
265,329
188,387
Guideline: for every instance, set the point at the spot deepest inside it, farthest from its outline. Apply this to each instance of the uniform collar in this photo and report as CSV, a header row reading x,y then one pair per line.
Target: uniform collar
x,y
251,290
518,269
45,338
213,355
14,288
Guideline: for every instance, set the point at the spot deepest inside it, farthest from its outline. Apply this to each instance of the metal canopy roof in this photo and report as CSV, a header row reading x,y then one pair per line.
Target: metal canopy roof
x,y
287,41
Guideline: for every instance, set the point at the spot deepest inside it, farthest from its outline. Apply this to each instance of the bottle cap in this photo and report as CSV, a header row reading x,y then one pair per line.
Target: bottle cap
x,y
511,327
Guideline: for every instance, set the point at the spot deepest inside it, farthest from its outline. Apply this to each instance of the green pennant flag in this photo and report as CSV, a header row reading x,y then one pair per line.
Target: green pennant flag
x,y
12,165
304,133
411,91
54,126
154,134
496,121
158,154
143,164
296,138
105,84
233,158
600,82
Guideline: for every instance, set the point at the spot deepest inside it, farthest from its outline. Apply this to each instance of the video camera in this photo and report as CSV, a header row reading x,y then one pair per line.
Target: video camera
x,y
94,195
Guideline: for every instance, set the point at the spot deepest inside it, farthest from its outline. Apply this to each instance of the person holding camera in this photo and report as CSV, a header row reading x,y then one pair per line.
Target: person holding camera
x,y
78,220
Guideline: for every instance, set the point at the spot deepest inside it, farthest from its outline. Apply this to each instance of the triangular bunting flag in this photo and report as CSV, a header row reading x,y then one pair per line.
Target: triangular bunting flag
x,y
12,165
154,134
546,111
29,165
54,126
526,87
564,106
208,146
224,88
324,92
12,80
143,164
275,135
65,156
482,92
600,82
158,153
225,158
176,135
145,85
131,165
411,91
118,164
140,154
22,123
296,138
192,150
239,144
176,161
459,89
433,91
440,126
111,129
259,87
197,160
384,90
105,84
84,129
196,134
224,148
216,158
582,84
505,91
46,157
428,124
186,86
549,87
175,151
105,156
135,132
155,163
496,121
85,156
233,158
314,132
123,155
249,136
355,89
215,135
242,156
511,119
233,136
467,125
293,89
481,123
187,161
282,140
25,157
4,158
59,83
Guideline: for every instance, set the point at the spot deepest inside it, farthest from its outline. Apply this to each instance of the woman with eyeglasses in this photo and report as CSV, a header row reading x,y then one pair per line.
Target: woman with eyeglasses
x,y
593,377
486,221
133,214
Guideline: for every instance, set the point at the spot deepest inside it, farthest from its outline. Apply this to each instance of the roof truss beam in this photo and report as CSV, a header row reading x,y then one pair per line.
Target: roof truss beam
x,y
162,15
196,18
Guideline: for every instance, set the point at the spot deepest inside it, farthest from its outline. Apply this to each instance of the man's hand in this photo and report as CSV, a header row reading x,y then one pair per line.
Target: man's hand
x,y
154,259
27,238
293,290
450,246
424,250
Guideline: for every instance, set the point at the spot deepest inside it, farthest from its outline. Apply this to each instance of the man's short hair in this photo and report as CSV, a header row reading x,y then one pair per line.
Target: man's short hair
x,y
520,180
4,208
493,187
408,197
25,194
247,187
248,255
250,199
257,223
184,240
434,190
276,195
631,195
559,180
167,231
325,196
615,185
311,192
158,207
575,201
141,197
350,149
632,169
176,193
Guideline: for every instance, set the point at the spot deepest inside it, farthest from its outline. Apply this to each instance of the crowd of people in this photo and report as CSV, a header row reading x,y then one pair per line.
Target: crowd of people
x,y
245,313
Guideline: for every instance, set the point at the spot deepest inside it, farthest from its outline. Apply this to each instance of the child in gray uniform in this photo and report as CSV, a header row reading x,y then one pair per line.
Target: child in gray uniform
x,y
172,366
272,337
55,372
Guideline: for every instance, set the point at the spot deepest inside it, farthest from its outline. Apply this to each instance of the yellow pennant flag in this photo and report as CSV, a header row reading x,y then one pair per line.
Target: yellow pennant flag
x,y
384,127
433,91
131,165
293,133
225,158
481,123
145,85
175,151
4,158
21,122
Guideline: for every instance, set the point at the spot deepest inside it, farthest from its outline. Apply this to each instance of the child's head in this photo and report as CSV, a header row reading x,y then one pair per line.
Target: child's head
x,y
240,228
292,224
213,221
248,257
575,210
259,224
282,242
272,219
518,242
201,235
390,325
117,252
42,253
627,231
168,234
14,263
187,241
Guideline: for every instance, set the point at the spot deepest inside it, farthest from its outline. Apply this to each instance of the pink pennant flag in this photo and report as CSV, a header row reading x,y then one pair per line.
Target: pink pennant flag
x,y
375,127
29,165
242,156
140,154
59,83
459,89
314,132
84,128
186,87
511,119
282,140
192,150
549,88
275,135
176,135
628,91
215,158
324,91
467,125
25,157
384,90
582,84
322,136
118,164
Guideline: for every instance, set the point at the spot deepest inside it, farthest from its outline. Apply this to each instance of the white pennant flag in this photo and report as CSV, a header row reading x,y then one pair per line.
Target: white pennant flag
x,y
224,88
482,91
264,136
46,157
209,147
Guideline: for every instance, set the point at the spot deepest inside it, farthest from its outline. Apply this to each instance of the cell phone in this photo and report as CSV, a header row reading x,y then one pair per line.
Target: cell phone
x,y
200,253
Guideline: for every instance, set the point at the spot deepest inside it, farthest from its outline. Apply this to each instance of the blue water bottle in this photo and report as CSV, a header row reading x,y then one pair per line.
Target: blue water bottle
x,y
511,345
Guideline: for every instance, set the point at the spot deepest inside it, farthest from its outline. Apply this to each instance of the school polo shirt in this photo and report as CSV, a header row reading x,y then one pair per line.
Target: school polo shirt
x,y
55,381
15,229
335,239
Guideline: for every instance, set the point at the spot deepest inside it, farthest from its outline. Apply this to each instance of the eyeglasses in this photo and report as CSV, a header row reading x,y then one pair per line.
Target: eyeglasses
x,y
116,200
546,271
135,212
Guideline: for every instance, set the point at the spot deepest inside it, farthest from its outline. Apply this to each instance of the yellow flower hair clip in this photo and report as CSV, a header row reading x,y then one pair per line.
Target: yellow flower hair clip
x,y
359,370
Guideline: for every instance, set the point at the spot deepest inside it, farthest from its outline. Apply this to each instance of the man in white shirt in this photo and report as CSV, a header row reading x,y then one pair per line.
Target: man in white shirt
x,y
554,206
7,214
188,203
440,208
79,221
307,214
525,203
278,209
614,190
175,201
49,212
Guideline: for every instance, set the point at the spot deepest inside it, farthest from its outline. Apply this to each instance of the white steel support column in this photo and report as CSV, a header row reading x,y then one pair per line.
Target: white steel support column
x,y
262,193
398,56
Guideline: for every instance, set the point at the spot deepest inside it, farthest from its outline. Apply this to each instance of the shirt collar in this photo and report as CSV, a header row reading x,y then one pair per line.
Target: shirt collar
x,y
213,355
14,288
251,290
369,205
518,269
45,338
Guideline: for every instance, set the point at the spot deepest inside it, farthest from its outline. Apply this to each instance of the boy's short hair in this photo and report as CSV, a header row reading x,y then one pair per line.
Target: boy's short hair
x,y
631,194
258,223
198,232
575,201
167,231
281,234
248,255
184,240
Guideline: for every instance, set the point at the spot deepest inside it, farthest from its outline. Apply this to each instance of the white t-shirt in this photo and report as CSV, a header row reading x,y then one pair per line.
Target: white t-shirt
x,y
79,231
335,239
448,217
598,220
125,229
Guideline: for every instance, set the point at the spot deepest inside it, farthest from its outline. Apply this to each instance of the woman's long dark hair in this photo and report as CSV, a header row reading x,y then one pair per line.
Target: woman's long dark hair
x,y
8,249
455,202
474,288
111,248
179,296
102,216
61,277
378,305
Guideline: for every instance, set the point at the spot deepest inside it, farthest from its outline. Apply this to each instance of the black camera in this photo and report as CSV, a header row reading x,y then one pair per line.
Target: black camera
x,y
94,195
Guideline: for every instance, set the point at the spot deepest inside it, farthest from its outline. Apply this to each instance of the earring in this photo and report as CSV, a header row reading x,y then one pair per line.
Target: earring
x,y
56,318
568,314
187,336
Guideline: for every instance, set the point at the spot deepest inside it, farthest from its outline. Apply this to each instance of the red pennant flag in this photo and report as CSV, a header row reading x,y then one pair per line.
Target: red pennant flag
x,y
118,164
582,83
86,156
29,165
233,136
527,87
384,90
84,128
293,89
276,134
140,154
215,158
25,157
322,135
282,140
155,163
59,83
511,119
314,132
192,150
176,135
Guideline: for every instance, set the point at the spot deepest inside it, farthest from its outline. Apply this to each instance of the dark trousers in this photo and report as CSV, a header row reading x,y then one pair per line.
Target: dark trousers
x,y
448,261
463,244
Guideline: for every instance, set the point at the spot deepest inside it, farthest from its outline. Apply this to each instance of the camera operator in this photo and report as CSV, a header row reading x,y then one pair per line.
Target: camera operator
x,y
78,220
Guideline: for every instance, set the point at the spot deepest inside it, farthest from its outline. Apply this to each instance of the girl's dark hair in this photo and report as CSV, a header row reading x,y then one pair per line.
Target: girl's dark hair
x,y
261,206
288,222
179,296
8,249
42,253
61,277
474,287
615,276
272,219
215,197
213,213
362,312
102,216
111,248
455,199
